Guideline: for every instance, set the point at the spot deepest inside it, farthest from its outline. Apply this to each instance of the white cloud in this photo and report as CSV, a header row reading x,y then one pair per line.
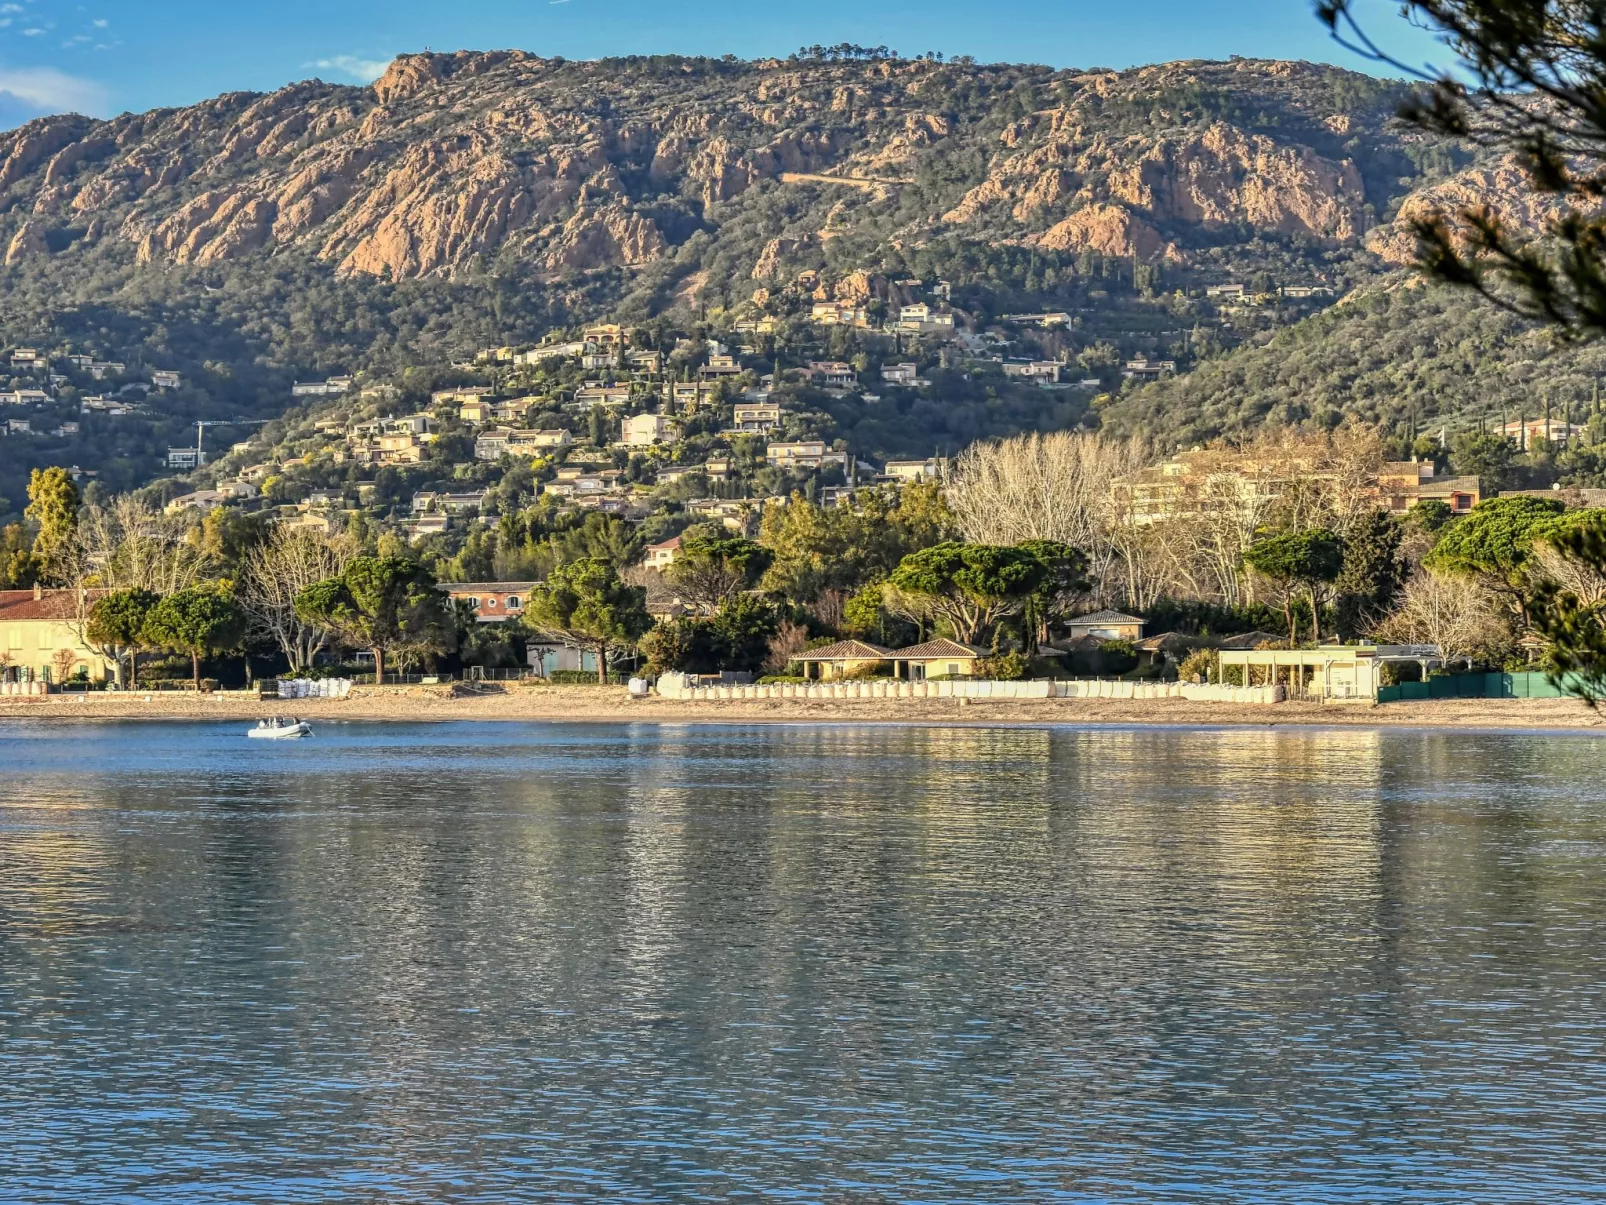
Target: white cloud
x,y
364,71
52,91
33,31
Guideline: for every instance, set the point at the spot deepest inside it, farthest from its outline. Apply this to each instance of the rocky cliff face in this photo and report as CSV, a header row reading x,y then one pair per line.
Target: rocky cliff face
x,y
453,159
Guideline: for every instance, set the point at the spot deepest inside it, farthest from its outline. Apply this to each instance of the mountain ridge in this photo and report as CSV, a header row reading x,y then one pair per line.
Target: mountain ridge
x,y
450,159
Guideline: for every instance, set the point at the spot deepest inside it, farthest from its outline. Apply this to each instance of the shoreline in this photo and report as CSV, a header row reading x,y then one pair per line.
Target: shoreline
x,y
593,704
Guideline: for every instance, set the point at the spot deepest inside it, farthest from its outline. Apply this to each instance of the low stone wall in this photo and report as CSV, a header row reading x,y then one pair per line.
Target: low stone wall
x,y
23,688
674,686
1102,688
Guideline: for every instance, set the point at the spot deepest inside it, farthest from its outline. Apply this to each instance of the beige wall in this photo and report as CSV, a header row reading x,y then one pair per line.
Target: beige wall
x,y
31,646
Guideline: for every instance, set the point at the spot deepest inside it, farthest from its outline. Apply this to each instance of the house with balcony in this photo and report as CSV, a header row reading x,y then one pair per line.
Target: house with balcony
x,y
492,444
661,556
1145,369
1042,372
590,396
933,469
756,416
645,430
537,443
833,374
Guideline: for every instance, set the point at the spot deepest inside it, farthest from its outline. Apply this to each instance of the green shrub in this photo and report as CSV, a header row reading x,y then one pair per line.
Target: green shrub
x,y
1006,667
862,673
1201,665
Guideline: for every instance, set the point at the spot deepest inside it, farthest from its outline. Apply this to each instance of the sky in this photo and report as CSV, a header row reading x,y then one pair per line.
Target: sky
x,y
102,57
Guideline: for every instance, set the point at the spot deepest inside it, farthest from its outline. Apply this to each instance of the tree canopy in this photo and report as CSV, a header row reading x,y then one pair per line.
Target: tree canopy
x,y
386,604
116,624
1495,541
968,585
53,505
588,604
1298,560
199,621
711,568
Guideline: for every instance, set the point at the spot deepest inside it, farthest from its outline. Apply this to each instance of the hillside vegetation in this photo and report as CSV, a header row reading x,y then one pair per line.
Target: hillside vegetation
x,y
475,199
1399,355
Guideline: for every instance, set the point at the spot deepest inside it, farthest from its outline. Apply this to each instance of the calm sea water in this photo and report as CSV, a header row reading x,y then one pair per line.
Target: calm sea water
x,y
498,962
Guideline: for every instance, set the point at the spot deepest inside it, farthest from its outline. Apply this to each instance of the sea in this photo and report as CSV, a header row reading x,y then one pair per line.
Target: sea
x,y
494,962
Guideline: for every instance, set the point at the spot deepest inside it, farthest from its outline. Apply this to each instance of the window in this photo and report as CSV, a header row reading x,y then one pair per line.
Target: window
x,y
490,604
512,602
953,670
473,602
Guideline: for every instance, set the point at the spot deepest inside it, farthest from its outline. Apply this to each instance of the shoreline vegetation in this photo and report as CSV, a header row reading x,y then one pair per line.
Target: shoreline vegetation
x,y
597,704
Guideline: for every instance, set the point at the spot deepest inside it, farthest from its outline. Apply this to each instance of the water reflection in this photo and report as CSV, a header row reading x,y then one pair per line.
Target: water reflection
x,y
476,962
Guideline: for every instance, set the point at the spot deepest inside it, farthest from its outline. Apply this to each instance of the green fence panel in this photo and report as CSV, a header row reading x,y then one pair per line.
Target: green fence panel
x,y
1388,694
1541,687
1415,690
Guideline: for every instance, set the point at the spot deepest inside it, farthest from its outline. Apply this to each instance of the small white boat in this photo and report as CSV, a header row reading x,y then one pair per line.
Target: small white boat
x,y
278,729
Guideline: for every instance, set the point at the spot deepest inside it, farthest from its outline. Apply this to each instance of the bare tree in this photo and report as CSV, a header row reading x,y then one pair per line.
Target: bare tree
x,y
1572,574
1048,487
1464,618
128,545
278,569
790,641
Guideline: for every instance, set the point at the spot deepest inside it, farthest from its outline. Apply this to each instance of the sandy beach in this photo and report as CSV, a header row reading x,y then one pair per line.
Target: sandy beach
x,y
613,705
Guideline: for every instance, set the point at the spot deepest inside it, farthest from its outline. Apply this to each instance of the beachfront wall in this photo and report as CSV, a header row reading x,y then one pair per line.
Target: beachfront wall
x,y
675,686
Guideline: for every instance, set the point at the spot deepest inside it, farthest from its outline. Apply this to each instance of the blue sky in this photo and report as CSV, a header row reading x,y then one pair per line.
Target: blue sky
x,y
105,56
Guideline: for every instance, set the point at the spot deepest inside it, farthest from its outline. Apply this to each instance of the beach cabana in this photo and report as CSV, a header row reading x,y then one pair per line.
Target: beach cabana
x,y
936,659
841,659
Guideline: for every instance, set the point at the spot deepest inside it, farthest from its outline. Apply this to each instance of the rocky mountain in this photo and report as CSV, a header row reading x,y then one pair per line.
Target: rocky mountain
x,y
475,199
451,162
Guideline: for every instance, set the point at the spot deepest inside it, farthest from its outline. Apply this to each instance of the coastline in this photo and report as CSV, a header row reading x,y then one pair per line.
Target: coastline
x,y
593,704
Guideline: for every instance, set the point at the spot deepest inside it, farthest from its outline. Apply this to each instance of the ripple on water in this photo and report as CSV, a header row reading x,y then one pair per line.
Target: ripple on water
x,y
483,962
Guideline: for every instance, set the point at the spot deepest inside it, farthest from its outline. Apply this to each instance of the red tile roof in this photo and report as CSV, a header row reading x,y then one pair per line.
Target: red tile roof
x,y
845,650
934,650
17,605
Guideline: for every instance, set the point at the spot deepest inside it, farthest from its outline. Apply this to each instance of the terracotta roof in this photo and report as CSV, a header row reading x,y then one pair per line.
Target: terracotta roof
x,y
932,650
1165,640
16,605
846,650
1105,617
1251,640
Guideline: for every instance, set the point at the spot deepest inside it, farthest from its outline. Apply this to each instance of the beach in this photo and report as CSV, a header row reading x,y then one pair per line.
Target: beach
x,y
533,703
